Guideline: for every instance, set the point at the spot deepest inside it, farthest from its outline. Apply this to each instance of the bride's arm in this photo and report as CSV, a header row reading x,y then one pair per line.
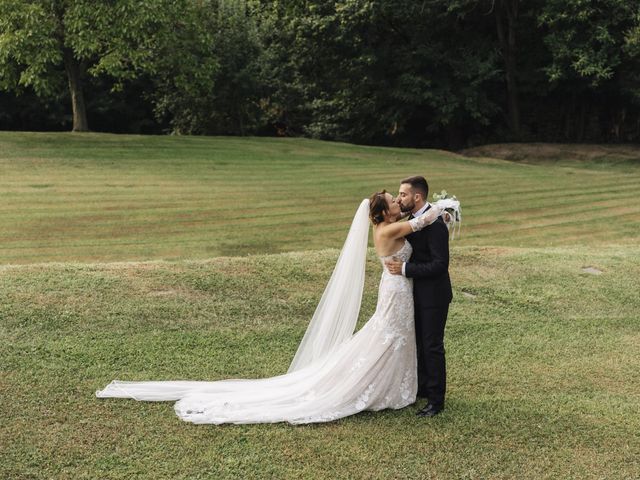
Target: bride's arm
x,y
402,229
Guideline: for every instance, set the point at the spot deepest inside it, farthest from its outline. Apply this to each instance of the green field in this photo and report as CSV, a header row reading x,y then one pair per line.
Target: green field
x,y
69,197
125,257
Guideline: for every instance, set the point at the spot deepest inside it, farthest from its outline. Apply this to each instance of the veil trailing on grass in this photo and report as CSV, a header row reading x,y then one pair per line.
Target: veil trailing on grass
x,y
337,313
332,325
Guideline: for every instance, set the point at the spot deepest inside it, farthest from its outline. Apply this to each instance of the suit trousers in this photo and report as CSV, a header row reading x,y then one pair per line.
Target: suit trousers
x,y
432,370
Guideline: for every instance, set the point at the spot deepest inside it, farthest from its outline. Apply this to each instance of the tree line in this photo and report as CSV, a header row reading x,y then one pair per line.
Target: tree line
x,y
446,73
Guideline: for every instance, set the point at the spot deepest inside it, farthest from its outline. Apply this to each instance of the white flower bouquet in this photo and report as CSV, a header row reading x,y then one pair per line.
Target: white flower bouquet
x,y
452,214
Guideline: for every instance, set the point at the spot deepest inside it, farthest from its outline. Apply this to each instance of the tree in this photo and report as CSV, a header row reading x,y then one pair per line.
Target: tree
x,y
386,71
593,61
213,85
45,42
506,15
434,72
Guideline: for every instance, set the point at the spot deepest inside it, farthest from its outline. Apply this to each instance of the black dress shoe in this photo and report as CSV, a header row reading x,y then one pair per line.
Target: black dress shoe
x,y
430,410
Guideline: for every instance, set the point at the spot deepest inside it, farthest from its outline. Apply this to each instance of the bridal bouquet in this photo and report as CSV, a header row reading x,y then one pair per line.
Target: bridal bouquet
x,y
453,215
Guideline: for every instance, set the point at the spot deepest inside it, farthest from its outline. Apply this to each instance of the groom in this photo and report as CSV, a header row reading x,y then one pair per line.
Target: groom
x,y
429,268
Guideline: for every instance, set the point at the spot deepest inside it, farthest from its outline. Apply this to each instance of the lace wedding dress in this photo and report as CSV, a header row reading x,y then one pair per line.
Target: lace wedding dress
x,y
335,373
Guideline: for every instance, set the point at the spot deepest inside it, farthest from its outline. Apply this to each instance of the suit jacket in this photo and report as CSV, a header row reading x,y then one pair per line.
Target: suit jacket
x,y
429,265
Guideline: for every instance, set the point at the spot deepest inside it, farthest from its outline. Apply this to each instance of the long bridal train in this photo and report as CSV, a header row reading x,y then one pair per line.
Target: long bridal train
x,y
335,373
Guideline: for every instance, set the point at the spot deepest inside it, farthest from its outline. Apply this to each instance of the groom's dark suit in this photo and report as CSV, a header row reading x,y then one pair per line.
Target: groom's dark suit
x,y
429,268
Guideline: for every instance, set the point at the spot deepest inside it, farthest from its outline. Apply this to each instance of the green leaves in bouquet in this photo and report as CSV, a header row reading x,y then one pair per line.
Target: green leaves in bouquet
x,y
443,195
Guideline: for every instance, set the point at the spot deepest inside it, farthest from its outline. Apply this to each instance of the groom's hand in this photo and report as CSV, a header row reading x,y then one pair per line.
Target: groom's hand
x,y
394,267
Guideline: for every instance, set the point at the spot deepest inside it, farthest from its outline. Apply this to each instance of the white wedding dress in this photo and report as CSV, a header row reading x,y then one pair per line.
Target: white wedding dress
x,y
335,373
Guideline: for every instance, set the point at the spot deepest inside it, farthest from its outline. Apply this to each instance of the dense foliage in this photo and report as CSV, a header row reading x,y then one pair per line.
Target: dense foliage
x,y
434,72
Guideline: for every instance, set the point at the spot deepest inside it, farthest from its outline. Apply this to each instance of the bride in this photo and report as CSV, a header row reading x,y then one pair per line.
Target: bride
x,y
335,373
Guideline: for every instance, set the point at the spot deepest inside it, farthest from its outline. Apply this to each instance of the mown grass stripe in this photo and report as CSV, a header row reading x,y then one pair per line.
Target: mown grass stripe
x,y
161,192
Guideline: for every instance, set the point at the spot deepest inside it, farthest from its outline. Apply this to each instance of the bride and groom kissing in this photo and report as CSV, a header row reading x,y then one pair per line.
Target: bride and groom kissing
x,y
397,356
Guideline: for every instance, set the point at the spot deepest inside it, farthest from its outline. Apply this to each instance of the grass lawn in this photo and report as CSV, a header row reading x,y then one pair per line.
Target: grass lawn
x,y
125,257
99,197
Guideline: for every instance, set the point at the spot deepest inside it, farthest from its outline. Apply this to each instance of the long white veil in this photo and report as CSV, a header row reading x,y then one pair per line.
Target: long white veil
x,y
332,324
337,313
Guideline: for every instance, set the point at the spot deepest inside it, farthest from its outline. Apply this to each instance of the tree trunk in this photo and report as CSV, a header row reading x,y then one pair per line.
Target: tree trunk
x,y
454,137
75,73
508,10
582,122
569,119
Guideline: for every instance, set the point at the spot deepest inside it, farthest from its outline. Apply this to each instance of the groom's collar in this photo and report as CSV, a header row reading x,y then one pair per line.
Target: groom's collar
x,y
425,207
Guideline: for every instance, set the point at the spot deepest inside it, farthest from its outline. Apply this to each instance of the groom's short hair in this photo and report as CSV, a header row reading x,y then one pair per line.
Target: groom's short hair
x,y
418,184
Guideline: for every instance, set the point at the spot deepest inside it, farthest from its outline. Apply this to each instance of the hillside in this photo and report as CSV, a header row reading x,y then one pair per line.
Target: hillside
x,y
542,361
98,197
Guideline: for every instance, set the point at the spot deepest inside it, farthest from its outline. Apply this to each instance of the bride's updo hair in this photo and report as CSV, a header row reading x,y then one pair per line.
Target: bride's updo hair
x,y
378,206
